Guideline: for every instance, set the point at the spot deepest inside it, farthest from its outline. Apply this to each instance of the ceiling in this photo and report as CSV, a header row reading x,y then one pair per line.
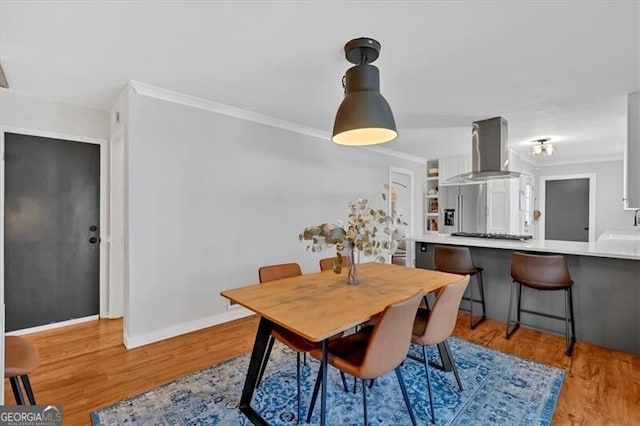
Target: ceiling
x,y
559,69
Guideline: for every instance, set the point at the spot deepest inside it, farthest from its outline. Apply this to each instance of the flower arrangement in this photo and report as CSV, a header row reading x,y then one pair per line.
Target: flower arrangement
x,y
371,231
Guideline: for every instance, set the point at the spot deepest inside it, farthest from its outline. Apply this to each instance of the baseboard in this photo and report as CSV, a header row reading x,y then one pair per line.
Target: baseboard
x,y
52,326
131,342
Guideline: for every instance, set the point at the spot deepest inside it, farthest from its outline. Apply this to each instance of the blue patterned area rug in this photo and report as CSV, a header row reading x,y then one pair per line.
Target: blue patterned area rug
x,y
499,389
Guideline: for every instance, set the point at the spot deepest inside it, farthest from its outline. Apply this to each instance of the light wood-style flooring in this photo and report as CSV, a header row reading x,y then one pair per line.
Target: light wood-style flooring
x,y
86,367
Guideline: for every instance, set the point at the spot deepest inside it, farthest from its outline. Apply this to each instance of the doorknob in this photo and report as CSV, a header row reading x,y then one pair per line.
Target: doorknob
x,y
94,240
93,228
586,228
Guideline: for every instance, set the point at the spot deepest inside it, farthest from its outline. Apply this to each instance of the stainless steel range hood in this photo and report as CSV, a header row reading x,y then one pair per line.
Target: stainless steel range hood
x,y
490,152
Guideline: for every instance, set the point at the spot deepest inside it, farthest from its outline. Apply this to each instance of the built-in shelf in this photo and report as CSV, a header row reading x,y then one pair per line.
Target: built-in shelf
x,y
431,201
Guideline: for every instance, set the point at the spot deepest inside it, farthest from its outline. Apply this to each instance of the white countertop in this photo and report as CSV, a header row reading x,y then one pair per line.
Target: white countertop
x,y
611,246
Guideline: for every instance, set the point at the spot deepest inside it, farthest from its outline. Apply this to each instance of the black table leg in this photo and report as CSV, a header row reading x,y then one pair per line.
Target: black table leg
x,y
443,349
323,400
259,348
445,356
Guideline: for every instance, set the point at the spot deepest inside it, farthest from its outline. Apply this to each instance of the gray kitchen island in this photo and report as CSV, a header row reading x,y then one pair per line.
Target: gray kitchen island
x,y
606,291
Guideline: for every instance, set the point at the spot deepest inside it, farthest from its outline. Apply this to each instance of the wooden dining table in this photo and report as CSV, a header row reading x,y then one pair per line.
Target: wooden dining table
x,y
320,305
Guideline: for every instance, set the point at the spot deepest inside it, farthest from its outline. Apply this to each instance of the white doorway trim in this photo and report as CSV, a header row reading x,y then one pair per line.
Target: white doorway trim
x,y
104,208
117,226
592,200
409,173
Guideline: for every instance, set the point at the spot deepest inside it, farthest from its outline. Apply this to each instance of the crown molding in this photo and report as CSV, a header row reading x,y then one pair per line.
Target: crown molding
x,y
207,105
397,154
167,95
581,161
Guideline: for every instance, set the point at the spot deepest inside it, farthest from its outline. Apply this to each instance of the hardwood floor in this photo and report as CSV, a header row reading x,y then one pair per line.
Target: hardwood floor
x,y
85,367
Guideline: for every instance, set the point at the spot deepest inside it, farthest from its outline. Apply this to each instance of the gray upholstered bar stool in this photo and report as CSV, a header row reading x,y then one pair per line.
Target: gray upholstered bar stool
x,y
457,260
544,273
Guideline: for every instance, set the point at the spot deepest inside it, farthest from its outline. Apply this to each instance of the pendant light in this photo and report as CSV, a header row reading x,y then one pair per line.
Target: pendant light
x,y
364,116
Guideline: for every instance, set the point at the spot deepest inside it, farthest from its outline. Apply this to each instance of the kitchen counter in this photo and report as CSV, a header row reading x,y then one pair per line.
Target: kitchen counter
x,y
609,245
606,293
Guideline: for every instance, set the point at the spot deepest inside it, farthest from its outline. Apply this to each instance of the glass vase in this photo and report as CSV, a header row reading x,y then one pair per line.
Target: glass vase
x,y
352,278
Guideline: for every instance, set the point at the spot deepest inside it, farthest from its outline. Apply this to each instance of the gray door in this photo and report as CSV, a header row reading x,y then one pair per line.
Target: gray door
x,y
51,246
567,210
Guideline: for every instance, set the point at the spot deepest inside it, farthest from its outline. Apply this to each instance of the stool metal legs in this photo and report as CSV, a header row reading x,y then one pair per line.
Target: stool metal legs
x,y
515,324
473,324
17,391
568,300
570,329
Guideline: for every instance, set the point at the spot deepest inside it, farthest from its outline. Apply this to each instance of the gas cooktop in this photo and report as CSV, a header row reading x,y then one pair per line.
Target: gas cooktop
x,y
492,236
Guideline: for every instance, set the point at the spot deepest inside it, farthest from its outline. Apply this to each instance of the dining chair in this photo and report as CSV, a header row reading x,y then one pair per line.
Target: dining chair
x,y
21,358
436,325
327,263
291,340
295,342
374,351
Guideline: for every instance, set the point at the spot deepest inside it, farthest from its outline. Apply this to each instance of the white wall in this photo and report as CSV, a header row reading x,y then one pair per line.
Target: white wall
x,y
609,212
26,112
212,197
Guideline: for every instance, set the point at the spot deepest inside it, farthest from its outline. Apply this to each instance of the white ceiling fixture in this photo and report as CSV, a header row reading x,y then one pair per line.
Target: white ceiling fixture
x,y
445,64
542,148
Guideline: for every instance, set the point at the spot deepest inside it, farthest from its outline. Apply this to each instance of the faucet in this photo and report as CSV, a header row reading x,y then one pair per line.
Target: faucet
x,y
636,218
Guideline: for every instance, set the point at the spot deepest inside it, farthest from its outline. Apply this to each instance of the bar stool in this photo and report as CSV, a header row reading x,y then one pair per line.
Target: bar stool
x,y
457,260
21,358
545,273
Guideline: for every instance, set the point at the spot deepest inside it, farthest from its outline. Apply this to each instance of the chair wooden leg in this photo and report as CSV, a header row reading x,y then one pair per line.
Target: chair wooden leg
x,y
426,370
405,396
265,360
28,390
314,396
364,401
17,392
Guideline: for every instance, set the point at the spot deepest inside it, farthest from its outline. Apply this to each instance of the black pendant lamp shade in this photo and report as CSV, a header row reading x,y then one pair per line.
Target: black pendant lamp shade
x,y
364,117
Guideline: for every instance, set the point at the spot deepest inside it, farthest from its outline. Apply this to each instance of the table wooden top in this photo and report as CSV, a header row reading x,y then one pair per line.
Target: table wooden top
x,y
320,305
